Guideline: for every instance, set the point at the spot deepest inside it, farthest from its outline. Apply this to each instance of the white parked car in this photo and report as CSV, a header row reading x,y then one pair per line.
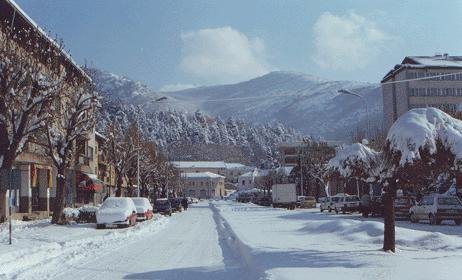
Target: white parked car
x,y
436,208
143,208
116,212
346,203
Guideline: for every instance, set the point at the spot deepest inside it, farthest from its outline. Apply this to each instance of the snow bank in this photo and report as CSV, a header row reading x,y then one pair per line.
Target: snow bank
x,y
39,243
420,129
349,155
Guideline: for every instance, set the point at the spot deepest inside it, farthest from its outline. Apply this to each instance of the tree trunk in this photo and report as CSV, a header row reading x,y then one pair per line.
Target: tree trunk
x,y
6,169
389,222
119,186
58,206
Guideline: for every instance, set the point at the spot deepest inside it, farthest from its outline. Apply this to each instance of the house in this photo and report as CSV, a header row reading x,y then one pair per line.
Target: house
x,y
422,81
36,174
203,185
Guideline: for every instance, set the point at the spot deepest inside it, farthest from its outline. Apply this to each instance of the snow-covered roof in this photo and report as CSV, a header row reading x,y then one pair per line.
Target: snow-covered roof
x,y
20,12
202,175
421,128
235,165
207,164
419,62
199,164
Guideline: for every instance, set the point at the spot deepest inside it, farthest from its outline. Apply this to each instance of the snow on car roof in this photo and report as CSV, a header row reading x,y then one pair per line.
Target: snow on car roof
x,y
202,175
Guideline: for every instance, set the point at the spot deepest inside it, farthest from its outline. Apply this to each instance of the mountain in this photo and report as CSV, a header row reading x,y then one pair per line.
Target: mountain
x,y
307,103
187,136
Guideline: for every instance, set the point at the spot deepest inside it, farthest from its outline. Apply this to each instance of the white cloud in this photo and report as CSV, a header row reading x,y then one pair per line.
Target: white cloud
x,y
346,42
176,87
222,55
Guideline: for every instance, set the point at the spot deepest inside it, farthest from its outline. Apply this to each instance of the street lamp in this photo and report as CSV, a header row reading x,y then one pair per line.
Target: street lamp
x,y
344,91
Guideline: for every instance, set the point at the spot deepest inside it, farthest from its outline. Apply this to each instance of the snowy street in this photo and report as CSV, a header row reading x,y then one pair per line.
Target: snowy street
x,y
228,240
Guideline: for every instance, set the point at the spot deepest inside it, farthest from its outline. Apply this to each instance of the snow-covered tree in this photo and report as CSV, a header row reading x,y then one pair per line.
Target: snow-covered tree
x,y
27,88
73,119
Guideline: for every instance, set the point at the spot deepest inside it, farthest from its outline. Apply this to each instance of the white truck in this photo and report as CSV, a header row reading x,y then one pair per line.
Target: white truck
x,y
284,196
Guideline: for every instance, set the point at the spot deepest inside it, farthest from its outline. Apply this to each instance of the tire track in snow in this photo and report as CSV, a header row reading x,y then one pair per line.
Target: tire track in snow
x,y
237,256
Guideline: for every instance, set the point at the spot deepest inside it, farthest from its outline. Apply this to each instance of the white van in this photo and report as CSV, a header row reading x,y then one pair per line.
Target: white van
x,y
325,203
346,203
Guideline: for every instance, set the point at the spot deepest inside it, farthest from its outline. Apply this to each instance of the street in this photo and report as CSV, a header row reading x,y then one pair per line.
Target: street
x,y
228,240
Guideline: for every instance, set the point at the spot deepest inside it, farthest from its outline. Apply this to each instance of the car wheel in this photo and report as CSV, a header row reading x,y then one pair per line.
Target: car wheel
x,y
458,221
432,219
343,211
322,210
336,210
365,214
100,226
413,218
329,209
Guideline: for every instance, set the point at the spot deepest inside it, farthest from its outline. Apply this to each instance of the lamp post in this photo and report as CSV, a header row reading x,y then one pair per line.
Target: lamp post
x,y
344,91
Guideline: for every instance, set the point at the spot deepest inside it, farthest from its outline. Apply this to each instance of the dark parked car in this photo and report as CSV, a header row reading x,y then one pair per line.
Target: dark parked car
x,y
176,204
373,208
163,206
264,201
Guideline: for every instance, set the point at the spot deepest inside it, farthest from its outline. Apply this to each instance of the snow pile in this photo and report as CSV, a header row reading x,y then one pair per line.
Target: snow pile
x,y
352,155
39,244
420,129
71,213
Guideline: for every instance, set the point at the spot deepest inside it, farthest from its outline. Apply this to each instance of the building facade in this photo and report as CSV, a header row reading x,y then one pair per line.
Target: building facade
x,y
203,185
438,84
37,176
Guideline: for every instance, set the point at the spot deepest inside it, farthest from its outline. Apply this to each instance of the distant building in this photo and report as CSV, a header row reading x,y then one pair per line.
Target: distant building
x,y
431,90
291,152
231,171
203,185
254,178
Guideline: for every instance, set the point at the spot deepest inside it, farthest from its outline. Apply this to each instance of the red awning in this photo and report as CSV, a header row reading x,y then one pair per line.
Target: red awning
x,y
91,183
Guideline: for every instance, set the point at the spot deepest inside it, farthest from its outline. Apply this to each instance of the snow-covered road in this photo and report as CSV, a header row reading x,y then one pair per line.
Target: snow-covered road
x,y
226,240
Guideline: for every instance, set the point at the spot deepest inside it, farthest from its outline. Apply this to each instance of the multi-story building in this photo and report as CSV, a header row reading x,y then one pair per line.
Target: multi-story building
x,y
292,152
203,184
36,180
422,81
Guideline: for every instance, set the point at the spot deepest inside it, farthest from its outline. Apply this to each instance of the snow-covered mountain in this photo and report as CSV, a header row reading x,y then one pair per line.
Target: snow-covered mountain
x,y
309,104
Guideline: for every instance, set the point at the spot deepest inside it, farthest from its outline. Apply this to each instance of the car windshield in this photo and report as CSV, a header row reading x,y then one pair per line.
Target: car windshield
x,y
162,202
351,198
114,202
448,201
140,201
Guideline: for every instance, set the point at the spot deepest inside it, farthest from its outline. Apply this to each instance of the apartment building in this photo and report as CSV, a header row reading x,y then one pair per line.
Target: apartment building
x,y
438,84
36,174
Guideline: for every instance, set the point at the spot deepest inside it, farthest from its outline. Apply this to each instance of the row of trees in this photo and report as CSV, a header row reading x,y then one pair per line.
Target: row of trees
x,y
423,146
124,146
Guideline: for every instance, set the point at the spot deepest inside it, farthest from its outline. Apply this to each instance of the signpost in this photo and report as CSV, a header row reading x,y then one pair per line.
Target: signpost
x,y
10,181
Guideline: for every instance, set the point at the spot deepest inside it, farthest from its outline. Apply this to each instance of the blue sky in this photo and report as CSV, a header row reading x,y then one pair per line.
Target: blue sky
x,y
176,44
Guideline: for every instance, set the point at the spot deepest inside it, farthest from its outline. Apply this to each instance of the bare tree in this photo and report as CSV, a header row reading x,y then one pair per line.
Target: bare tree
x,y
27,88
74,116
121,148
